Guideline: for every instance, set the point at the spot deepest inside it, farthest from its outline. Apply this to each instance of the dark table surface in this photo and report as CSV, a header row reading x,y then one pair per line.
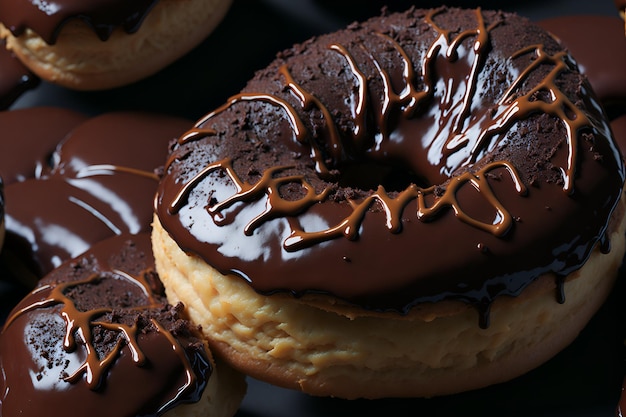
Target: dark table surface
x,y
584,380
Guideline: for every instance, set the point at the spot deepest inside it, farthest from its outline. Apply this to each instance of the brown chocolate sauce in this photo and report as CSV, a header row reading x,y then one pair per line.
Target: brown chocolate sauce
x,y
47,18
98,183
93,331
498,142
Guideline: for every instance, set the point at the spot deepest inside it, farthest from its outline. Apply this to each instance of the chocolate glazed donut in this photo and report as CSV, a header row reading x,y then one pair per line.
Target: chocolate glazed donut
x,y
94,331
459,156
104,44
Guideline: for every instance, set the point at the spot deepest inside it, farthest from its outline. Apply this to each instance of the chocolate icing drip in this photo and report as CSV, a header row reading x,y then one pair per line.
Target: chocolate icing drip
x,y
107,331
428,134
47,18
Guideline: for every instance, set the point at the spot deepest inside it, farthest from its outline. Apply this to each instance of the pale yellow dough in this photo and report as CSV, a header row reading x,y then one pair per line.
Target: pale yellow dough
x,y
329,350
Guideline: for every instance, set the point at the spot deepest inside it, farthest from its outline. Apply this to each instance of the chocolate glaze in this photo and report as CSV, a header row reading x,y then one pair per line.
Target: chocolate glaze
x,y
599,47
47,18
92,332
30,138
100,183
15,78
421,156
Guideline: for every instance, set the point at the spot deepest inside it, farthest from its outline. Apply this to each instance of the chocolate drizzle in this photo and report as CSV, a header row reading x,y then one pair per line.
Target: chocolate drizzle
x,y
459,139
109,312
79,323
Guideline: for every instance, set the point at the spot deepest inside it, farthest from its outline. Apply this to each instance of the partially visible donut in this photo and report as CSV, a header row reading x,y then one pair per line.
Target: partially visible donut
x,y
424,203
98,182
97,338
105,44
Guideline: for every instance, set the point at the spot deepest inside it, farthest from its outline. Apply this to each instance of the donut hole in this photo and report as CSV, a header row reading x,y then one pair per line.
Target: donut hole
x,y
368,175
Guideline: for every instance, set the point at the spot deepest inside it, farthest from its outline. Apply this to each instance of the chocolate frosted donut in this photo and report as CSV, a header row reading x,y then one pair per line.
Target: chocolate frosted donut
x,y
106,43
96,178
97,337
397,177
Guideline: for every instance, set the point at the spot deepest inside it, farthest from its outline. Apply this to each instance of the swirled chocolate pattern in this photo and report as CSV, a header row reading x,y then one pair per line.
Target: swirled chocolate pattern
x,y
420,156
92,332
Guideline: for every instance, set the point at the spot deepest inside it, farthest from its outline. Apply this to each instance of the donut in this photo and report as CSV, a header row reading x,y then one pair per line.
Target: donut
x,y
97,337
105,44
601,57
424,203
15,78
95,176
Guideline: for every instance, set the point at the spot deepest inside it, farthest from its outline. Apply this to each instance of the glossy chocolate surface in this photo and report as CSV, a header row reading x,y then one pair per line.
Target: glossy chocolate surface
x,y
30,138
97,338
415,158
47,18
99,182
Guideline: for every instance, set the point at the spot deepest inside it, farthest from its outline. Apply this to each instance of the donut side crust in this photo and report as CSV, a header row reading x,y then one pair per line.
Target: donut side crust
x,y
438,349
